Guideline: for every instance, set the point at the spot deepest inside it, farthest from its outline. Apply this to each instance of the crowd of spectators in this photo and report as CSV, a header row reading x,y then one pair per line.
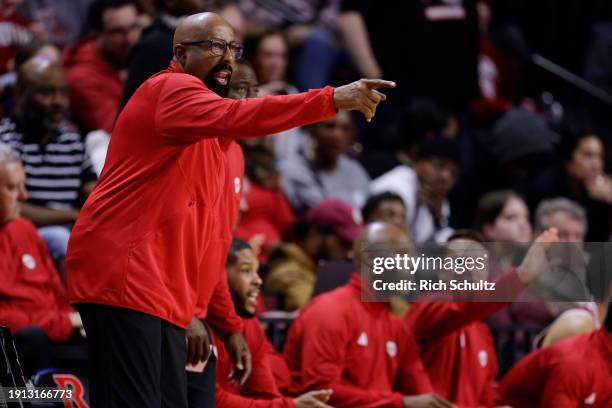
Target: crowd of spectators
x,y
473,138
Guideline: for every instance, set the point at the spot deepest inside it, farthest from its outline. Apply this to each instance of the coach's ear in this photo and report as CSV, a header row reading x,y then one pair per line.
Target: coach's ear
x,y
180,54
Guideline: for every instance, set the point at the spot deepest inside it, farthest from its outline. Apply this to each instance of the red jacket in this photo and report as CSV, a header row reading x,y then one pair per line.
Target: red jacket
x,y
576,372
141,238
31,293
457,349
269,213
15,33
95,86
360,350
260,390
219,310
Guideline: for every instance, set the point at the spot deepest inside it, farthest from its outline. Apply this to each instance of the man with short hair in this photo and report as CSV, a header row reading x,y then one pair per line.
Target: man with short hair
x,y
359,350
58,171
567,216
385,207
424,186
326,171
95,65
32,296
260,390
154,210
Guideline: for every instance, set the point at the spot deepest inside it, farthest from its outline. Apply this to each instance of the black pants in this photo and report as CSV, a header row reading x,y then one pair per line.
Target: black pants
x,y
201,386
135,359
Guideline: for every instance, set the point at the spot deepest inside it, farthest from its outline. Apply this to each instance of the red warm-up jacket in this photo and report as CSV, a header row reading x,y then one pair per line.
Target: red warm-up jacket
x,y
220,310
260,389
358,349
142,236
457,349
96,88
31,293
573,373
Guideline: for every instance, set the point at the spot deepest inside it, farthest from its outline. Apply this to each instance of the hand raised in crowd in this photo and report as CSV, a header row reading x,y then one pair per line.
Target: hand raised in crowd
x,y
361,95
198,343
238,349
427,401
313,399
601,188
538,260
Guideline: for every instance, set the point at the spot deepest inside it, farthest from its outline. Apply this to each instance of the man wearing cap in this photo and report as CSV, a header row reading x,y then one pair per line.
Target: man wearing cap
x,y
359,350
424,186
327,231
136,262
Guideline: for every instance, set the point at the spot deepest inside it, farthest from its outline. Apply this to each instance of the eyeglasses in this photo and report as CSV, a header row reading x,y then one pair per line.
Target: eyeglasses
x,y
219,47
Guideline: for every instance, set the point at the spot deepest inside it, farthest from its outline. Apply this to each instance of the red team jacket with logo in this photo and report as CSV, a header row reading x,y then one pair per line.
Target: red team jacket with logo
x,y
220,309
142,236
573,373
260,389
457,349
359,350
31,292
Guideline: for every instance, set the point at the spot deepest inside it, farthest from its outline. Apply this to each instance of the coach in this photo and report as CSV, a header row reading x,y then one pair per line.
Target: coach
x,y
135,260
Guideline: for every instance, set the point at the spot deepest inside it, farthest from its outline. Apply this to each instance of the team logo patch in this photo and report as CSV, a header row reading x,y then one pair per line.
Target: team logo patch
x,y
483,358
28,261
363,339
237,185
590,400
391,349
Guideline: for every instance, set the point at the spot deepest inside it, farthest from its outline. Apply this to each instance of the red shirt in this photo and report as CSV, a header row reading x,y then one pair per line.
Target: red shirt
x,y
259,390
268,212
31,293
360,350
96,88
14,33
141,238
219,309
575,372
457,349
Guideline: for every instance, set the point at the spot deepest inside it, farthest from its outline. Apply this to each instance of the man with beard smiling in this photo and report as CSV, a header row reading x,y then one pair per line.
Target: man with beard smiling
x,y
260,390
57,169
137,262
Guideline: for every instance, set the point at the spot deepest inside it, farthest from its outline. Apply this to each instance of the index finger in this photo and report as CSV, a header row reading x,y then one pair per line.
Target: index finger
x,y
378,83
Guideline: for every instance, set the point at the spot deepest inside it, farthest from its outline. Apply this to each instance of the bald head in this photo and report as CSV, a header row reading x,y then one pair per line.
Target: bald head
x,y
378,236
201,48
197,27
41,91
35,68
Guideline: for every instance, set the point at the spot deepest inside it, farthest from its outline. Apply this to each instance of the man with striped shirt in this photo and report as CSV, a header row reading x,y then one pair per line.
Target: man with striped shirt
x,y
58,172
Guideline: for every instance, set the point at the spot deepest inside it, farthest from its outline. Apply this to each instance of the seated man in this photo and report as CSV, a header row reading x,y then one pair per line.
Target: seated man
x,y
359,350
424,185
32,297
576,372
326,171
260,389
95,65
457,347
58,171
